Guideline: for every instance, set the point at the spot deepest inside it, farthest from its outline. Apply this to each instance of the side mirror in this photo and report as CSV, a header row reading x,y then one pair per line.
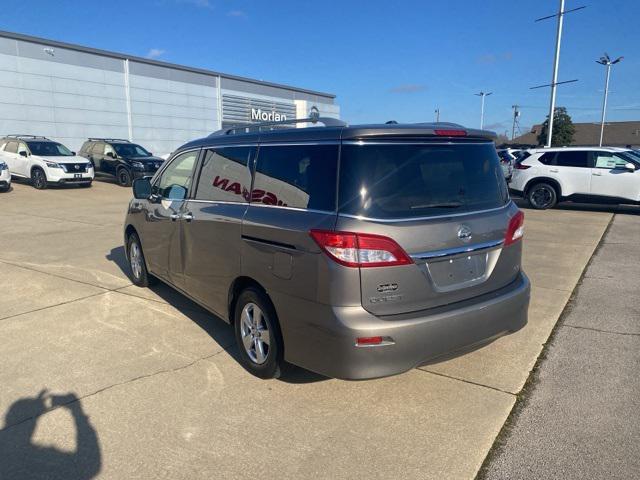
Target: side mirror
x,y
111,154
73,153
23,153
142,188
630,167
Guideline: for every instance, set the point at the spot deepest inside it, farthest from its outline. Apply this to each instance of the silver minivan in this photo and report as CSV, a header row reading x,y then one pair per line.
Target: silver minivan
x,y
352,251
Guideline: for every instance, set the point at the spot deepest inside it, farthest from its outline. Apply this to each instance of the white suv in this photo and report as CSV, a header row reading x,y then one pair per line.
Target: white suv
x,y
5,177
44,161
545,176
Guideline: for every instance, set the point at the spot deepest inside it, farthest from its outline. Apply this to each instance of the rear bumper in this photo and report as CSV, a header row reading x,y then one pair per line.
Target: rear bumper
x,y
322,339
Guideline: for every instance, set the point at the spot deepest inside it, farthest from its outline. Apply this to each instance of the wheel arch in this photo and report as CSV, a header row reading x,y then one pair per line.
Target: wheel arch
x,y
237,286
128,231
37,167
551,181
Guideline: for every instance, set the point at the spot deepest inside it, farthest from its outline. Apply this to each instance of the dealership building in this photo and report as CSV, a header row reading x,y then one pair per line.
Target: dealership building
x,y
70,93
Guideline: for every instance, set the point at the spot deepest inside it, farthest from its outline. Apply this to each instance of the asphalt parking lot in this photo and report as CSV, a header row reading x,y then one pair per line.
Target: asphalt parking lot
x,y
101,378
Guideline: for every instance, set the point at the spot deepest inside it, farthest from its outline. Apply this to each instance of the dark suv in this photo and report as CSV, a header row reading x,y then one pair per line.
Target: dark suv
x,y
352,251
122,159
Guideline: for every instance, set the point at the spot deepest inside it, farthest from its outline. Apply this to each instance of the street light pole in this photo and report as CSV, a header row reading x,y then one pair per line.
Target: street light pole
x,y
607,62
482,95
437,112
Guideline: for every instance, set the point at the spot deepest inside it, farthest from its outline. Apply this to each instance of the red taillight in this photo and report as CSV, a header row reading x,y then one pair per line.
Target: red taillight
x,y
360,341
515,230
521,166
451,133
360,249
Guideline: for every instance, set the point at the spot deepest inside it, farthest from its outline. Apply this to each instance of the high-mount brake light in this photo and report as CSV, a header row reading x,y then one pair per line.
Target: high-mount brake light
x,y
515,230
360,249
450,133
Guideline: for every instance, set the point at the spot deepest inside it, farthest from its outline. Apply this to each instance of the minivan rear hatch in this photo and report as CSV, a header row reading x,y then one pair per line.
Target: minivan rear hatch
x,y
445,203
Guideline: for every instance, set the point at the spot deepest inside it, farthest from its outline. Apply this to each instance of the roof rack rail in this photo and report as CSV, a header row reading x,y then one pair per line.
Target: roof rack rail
x,y
247,127
19,135
110,139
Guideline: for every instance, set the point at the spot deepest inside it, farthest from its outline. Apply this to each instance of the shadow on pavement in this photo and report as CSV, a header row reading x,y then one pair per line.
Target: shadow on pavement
x,y
217,328
21,458
586,207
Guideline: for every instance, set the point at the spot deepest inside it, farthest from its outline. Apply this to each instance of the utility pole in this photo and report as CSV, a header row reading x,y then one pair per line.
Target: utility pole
x,y
437,112
607,62
482,95
554,79
556,61
516,114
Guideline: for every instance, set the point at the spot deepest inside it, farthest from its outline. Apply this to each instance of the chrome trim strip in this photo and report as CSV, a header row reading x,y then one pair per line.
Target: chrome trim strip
x,y
411,142
417,219
298,143
446,252
222,202
326,212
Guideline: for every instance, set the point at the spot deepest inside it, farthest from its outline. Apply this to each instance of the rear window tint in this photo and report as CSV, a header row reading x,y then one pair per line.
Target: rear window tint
x,y
574,158
301,176
548,158
405,181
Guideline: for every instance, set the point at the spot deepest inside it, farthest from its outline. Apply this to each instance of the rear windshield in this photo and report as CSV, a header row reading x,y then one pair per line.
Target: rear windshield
x,y
405,181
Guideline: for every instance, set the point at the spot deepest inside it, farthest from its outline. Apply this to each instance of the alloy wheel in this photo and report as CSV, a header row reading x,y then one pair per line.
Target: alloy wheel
x,y
38,179
542,196
254,330
135,259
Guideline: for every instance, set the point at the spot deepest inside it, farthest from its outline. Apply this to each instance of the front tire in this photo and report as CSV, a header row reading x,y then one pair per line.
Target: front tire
x,y
124,177
38,179
139,273
258,335
542,196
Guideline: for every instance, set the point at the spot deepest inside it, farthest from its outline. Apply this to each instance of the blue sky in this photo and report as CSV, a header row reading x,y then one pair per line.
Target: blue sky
x,y
383,59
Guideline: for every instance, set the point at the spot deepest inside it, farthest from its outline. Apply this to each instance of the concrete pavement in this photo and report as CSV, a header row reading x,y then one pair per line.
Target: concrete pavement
x,y
157,378
580,419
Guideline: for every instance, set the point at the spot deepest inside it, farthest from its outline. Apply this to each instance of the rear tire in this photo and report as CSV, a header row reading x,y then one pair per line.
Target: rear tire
x,y
258,335
139,273
542,196
123,177
38,179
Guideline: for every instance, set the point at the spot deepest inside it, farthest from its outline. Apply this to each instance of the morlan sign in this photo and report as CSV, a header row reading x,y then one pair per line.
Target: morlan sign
x,y
273,116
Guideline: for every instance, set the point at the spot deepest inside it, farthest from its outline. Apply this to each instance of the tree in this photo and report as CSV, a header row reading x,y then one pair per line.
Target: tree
x,y
563,129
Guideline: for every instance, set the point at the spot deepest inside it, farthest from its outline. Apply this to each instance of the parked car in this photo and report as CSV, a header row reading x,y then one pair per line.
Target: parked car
x,y
352,251
121,159
5,177
545,176
44,161
507,158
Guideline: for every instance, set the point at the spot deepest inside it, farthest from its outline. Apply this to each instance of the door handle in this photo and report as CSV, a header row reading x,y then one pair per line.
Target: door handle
x,y
175,216
596,174
187,216
553,170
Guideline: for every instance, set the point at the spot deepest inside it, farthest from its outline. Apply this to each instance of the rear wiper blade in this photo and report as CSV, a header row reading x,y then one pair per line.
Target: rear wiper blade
x,y
438,205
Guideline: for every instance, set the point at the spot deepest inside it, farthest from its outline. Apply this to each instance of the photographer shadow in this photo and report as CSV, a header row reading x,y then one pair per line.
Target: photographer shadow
x,y
21,458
